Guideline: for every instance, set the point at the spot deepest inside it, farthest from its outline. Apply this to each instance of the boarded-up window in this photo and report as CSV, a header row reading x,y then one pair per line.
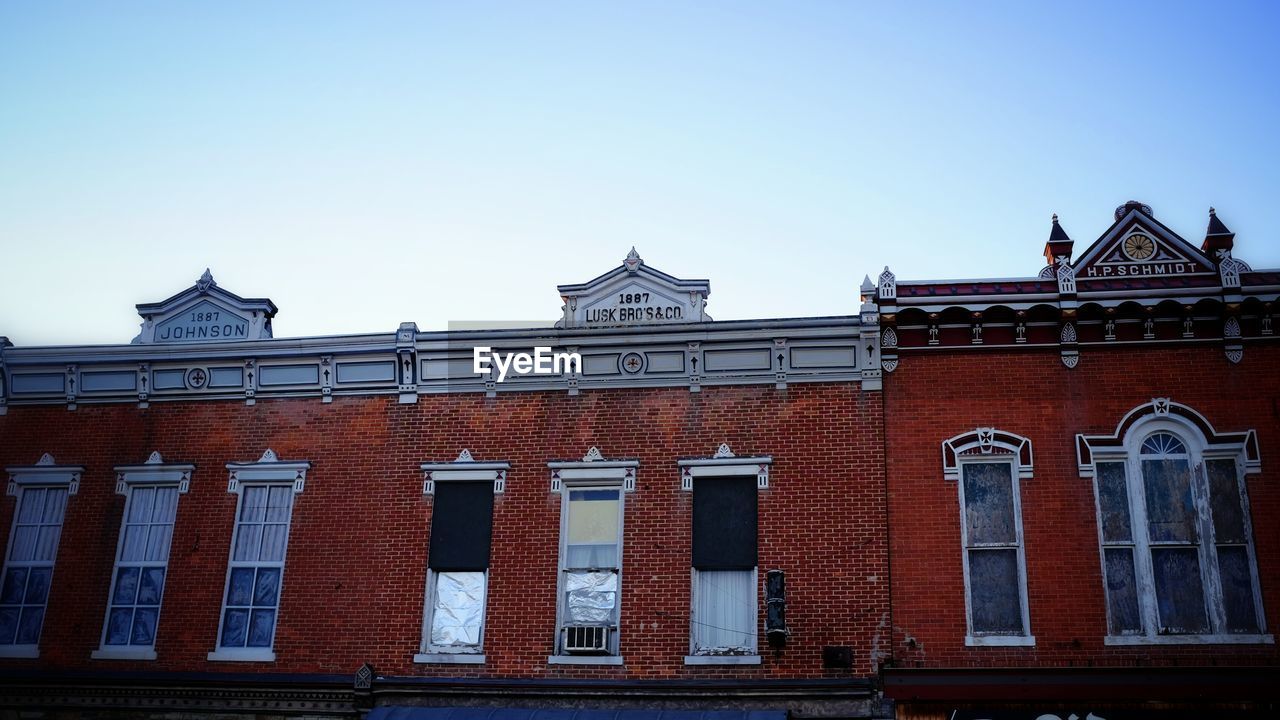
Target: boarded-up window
x,y
461,531
724,556
1192,571
993,552
1231,538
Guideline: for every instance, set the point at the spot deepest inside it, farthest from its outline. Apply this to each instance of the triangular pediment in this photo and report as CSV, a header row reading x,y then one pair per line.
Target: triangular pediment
x,y
634,294
205,312
1137,245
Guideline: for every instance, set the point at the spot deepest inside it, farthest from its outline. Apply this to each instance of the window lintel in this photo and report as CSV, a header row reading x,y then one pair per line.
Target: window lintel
x,y
593,467
268,468
155,471
464,468
725,464
1091,448
987,443
45,472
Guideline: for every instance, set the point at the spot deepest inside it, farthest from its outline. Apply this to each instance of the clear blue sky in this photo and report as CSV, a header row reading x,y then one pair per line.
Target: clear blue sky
x,y
368,163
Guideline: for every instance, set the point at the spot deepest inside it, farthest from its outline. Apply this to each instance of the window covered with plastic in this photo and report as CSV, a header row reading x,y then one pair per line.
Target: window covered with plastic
x,y
590,565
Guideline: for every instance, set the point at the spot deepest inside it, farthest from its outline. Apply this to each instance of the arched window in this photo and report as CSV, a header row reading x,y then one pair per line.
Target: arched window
x,y
1174,529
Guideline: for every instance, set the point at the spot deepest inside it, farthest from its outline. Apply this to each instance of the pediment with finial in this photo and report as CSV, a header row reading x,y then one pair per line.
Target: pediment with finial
x,y
205,312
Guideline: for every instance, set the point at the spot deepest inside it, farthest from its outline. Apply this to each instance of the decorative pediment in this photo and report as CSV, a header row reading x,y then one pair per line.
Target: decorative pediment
x,y
1139,246
634,294
205,312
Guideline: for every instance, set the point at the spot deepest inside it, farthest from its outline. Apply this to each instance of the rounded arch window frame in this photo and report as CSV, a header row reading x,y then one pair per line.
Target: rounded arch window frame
x,y
1202,443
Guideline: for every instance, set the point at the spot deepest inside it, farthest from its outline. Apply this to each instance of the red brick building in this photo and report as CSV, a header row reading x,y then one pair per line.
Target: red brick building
x,y
691,518
747,517
1110,430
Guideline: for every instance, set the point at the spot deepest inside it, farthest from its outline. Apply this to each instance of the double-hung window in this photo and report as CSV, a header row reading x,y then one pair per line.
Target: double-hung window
x,y
255,572
725,614
988,464
42,491
724,617
458,557
142,557
1174,531
589,586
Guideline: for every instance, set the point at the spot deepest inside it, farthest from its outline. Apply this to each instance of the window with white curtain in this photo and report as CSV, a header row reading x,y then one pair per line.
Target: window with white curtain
x,y
252,597
28,568
725,612
142,562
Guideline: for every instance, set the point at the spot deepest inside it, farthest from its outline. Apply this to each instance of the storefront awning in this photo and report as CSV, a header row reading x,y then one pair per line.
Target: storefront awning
x,y
457,713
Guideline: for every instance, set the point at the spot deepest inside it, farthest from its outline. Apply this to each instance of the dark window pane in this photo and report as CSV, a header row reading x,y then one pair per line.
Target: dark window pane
x,y
126,586
15,581
8,624
1122,592
1113,498
235,624
144,626
1224,498
118,623
461,526
260,628
29,625
1169,511
152,586
1179,592
240,587
988,503
1237,590
725,525
995,592
268,587
38,585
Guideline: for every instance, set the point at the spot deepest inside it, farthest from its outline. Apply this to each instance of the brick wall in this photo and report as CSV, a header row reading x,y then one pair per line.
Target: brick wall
x,y
355,574
936,395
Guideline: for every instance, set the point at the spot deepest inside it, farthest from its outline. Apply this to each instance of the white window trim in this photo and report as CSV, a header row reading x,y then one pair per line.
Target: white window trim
x,y
723,464
267,470
1142,422
593,472
465,468
153,473
992,446
45,473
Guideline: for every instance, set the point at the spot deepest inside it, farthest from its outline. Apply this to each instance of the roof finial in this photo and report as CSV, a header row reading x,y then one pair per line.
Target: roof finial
x,y
1212,212
632,261
205,281
1055,218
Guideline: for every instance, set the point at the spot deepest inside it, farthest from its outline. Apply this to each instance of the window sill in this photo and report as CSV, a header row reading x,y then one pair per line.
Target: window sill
x,y
1000,640
122,652
584,660
1189,640
243,655
721,659
19,651
441,658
